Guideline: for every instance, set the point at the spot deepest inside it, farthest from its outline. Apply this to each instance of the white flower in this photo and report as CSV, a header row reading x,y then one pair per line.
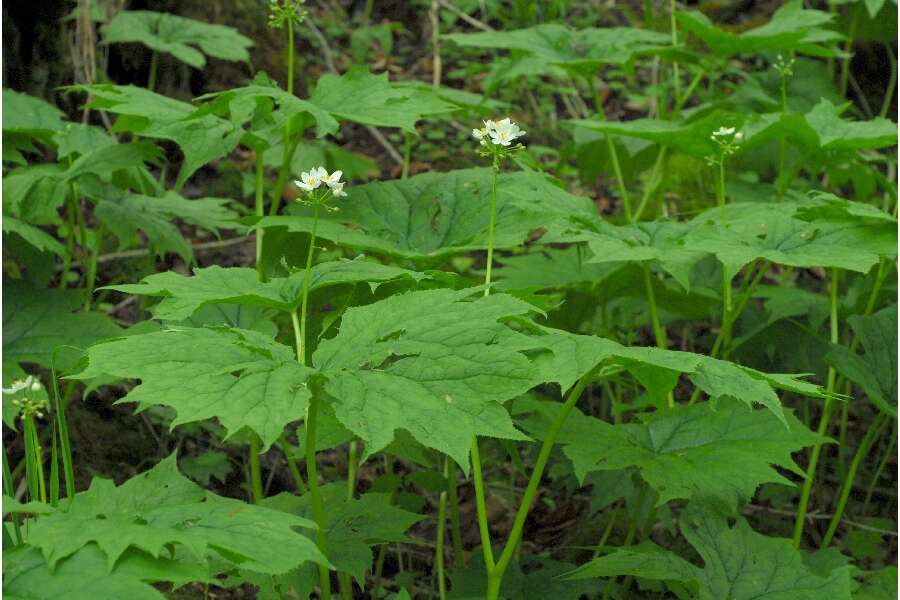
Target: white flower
x,y
20,384
481,134
333,179
723,132
310,180
738,136
504,132
499,133
337,189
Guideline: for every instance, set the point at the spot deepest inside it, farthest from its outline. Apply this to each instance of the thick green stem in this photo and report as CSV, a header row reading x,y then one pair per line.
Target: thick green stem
x,y
34,462
154,67
651,187
496,572
874,430
823,422
256,489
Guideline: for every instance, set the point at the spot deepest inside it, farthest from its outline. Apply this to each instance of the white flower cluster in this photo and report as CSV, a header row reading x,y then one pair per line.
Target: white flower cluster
x,y
315,178
499,133
28,406
29,383
724,133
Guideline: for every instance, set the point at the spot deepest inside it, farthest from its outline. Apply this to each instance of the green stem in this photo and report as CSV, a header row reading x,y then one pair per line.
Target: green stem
x,y
492,221
848,46
823,422
613,154
290,147
65,445
782,145
290,56
351,470
864,447
292,465
255,470
258,201
9,490
651,187
481,507
34,463
407,154
496,572
70,233
92,268
674,28
154,64
882,464
455,528
892,82
312,414
301,340
442,532
658,331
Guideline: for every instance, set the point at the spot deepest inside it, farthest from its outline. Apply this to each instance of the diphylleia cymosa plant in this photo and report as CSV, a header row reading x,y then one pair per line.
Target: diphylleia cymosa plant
x,y
318,187
496,139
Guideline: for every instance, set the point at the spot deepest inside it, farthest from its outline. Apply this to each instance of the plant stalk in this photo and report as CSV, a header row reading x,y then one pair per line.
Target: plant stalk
x,y
823,422
874,430
496,572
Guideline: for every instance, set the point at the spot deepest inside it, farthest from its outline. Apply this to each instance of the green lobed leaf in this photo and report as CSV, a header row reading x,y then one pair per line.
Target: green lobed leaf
x,y
40,324
243,378
352,526
362,97
82,576
739,564
126,214
160,507
178,36
875,371
38,238
435,215
202,139
429,362
29,114
182,296
719,453
791,27
583,50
